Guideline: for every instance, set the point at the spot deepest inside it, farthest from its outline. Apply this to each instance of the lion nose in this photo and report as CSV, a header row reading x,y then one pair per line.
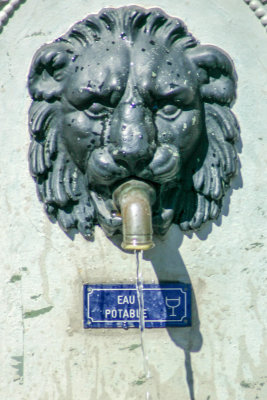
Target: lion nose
x,y
132,136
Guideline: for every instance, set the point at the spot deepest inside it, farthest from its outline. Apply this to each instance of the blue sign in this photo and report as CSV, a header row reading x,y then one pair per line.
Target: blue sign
x,y
117,306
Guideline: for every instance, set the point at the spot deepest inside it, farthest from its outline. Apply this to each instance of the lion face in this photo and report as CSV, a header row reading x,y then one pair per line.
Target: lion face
x,y
130,104
138,118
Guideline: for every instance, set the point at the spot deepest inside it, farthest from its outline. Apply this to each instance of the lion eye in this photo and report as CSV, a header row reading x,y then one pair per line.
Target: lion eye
x,y
169,111
96,110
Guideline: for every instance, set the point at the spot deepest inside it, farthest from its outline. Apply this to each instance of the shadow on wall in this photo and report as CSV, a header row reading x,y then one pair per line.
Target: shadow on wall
x,y
170,267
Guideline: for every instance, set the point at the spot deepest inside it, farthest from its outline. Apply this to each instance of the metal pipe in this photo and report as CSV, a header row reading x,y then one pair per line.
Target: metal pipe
x,y
134,200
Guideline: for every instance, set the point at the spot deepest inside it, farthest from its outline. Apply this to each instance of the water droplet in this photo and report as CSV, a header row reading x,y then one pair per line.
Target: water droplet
x,y
125,326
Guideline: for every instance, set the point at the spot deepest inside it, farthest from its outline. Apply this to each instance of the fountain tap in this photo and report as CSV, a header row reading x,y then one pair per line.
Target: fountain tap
x,y
134,200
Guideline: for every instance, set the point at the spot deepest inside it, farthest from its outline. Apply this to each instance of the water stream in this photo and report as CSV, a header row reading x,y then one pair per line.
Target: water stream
x,y
140,297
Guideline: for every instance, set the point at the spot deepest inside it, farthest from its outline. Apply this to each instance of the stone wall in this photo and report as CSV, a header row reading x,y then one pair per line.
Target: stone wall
x,y
45,352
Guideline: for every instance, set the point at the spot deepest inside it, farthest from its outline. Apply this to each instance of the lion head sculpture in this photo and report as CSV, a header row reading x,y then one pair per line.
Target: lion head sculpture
x,y
129,93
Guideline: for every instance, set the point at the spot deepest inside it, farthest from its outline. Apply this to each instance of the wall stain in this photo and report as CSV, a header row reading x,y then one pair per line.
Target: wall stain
x,y
19,367
21,358
140,381
36,297
151,386
15,278
42,261
95,360
58,386
69,394
253,385
254,246
104,395
246,384
36,313
40,33
131,348
8,205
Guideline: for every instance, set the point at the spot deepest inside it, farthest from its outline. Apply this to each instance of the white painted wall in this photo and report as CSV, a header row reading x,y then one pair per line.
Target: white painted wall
x,y
46,355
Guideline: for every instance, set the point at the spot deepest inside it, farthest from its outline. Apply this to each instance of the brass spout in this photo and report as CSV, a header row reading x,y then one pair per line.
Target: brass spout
x,y
134,200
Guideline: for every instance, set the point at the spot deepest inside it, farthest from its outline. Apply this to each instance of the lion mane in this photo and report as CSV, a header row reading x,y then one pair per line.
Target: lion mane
x,y
61,184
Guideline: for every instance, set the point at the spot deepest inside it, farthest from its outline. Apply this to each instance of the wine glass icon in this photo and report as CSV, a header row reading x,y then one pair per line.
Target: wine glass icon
x,y
173,303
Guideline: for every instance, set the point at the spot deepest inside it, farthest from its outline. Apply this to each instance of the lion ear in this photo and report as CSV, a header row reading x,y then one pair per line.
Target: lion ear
x,y
216,74
48,71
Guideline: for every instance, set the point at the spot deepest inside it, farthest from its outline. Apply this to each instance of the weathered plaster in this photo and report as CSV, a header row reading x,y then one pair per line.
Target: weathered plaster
x,y
45,353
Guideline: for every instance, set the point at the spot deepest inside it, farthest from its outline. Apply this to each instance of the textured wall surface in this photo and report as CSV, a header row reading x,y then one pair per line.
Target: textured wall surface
x,y
44,352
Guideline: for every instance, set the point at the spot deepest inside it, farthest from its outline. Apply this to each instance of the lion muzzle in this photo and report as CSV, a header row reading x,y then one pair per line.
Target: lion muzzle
x,y
132,136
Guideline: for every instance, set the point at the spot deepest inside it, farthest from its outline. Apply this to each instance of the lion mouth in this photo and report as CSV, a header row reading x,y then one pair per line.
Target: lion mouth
x,y
109,216
105,175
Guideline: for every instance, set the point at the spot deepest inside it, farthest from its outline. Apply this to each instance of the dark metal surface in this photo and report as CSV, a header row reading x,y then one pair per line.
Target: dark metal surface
x,y
130,94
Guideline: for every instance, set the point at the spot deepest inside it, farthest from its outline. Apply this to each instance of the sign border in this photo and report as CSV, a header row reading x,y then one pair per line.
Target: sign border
x,y
88,289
